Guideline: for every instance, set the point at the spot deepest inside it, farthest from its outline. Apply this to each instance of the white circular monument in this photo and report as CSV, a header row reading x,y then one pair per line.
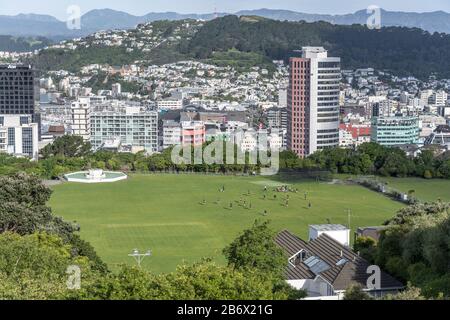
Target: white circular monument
x,y
95,176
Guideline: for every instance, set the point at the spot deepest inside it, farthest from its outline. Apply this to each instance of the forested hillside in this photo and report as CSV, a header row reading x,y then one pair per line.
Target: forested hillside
x,y
8,43
403,51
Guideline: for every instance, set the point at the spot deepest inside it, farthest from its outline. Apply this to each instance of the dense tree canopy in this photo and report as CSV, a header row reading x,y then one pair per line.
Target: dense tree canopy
x,y
69,146
34,267
372,158
201,281
416,248
23,210
410,51
255,248
22,44
356,292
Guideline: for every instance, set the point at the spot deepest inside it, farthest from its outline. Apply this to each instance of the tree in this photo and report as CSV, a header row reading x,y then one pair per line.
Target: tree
x,y
255,248
356,292
23,210
444,168
395,164
34,267
412,293
416,247
25,189
366,247
204,280
22,206
427,174
67,146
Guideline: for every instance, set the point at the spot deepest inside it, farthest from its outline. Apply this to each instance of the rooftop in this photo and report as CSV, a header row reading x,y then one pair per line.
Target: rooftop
x,y
327,258
16,66
329,227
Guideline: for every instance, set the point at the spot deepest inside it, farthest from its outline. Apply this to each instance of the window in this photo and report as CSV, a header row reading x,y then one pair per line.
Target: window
x,y
27,141
24,120
11,137
316,265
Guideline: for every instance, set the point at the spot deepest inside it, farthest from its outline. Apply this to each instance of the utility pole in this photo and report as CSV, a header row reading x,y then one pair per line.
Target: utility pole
x,y
349,213
139,257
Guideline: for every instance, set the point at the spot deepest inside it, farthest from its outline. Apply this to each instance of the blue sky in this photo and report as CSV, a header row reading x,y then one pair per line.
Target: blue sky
x,y
139,7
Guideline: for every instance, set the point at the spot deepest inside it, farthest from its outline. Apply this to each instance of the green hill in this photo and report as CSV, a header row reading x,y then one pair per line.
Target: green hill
x,y
22,44
403,51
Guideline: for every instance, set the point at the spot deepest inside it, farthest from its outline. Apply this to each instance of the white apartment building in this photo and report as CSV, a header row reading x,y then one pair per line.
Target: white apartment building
x,y
116,89
275,141
97,100
233,126
249,141
81,118
170,104
428,123
134,126
171,134
444,111
346,139
262,140
425,96
19,136
282,98
439,98
325,96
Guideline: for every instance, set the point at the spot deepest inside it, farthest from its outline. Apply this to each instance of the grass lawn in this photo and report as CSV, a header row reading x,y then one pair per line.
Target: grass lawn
x,y
425,190
165,213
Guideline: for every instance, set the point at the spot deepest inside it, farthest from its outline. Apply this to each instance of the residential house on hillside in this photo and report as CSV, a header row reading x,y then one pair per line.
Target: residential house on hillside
x,y
325,267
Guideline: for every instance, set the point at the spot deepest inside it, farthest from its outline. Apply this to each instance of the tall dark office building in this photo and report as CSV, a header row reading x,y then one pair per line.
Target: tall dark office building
x,y
17,95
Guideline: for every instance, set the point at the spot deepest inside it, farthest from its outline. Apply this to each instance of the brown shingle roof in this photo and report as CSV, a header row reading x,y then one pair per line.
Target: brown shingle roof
x,y
351,269
292,245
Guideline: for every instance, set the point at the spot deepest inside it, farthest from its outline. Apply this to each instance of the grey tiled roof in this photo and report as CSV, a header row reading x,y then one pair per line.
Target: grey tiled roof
x,y
351,269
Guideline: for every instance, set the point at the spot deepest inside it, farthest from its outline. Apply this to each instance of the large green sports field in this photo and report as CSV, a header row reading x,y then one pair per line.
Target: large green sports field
x,y
425,190
167,213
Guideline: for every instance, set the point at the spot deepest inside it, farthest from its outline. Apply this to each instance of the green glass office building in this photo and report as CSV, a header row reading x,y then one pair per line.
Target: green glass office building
x,y
393,131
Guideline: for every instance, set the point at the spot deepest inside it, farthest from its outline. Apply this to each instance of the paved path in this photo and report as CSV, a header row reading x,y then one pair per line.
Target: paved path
x,y
50,183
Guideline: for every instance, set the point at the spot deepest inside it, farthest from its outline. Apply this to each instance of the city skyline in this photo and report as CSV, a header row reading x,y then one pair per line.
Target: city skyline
x,y
140,7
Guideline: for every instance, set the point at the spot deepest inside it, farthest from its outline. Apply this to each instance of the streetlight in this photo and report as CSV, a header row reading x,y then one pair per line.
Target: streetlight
x,y
349,213
139,257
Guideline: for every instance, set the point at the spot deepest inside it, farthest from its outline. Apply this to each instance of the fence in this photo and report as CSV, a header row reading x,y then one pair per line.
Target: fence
x,y
374,184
